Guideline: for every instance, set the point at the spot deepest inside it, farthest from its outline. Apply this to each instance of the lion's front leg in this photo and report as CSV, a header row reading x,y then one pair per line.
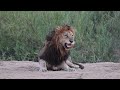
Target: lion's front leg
x,y
65,67
42,66
70,64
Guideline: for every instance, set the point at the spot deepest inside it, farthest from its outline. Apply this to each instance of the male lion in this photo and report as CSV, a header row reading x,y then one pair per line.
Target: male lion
x,y
55,55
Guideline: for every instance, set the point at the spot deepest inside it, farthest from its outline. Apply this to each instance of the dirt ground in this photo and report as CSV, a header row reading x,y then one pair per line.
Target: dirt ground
x,y
29,70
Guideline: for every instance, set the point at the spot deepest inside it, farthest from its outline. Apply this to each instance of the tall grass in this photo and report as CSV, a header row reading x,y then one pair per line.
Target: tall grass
x,y
22,33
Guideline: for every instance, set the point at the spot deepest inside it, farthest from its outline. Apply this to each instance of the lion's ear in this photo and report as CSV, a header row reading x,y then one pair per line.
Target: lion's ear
x,y
66,27
58,28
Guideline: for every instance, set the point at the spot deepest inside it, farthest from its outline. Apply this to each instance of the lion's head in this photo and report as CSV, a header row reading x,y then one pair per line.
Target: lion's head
x,y
62,37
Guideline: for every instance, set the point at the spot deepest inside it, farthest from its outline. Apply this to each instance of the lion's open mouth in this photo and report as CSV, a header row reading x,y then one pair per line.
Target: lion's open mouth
x,y
67,46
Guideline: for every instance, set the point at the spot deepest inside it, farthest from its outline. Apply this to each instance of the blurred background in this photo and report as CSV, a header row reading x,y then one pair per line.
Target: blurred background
x,y
22,34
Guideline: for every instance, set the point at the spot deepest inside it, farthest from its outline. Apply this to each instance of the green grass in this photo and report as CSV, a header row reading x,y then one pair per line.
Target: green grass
x,y
22,33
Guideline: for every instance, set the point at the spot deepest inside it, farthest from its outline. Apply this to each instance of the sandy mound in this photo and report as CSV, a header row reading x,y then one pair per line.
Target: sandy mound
x,y
29,70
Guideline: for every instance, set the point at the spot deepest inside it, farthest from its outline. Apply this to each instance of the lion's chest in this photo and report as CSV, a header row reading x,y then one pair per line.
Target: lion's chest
x,y
53,56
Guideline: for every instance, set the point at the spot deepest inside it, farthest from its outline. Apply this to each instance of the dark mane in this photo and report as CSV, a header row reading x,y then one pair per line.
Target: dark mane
x,y
53,56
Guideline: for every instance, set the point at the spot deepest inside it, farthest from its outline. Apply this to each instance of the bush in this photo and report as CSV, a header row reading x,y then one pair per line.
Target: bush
x,y
22,33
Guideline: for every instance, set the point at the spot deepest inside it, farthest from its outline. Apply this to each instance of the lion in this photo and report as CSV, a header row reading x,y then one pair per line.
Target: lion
x,y
55,55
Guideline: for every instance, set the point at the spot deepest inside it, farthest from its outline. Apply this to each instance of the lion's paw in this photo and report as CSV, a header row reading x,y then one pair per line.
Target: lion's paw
x,y
70,69
43,70
76,66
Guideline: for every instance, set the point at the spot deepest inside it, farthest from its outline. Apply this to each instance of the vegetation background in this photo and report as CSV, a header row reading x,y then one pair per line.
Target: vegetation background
x,y
22,34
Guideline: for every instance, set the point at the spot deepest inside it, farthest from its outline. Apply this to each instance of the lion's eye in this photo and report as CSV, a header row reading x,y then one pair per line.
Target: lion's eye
x,y
66,35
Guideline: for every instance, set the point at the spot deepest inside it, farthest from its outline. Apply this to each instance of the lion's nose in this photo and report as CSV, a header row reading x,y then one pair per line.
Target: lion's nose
x,y
71,41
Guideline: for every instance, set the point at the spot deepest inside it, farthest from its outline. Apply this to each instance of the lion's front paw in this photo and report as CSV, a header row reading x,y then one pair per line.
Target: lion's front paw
x,y
70,69
76,66
81,66
43,70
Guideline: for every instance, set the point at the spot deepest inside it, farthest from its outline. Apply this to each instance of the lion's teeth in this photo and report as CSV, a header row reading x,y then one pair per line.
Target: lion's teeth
x,y
68,46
